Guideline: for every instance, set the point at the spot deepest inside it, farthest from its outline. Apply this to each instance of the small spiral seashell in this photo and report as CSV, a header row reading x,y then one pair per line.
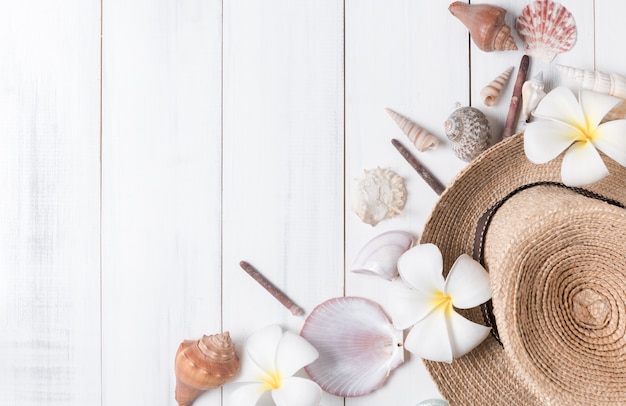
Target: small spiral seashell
x,y
547,29
607,83
380,194
486,25
202,365
491,92
421,138
469,131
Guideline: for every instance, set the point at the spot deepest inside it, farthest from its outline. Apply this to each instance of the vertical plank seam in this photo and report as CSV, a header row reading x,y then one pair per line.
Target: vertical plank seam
x,y
345,146
100,220
222,179
595,38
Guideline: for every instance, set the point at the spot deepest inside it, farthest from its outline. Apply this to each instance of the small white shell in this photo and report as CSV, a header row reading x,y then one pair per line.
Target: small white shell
x,y
532,93
380,194
357,344
379,256
421,138
490,93
607,83
547,29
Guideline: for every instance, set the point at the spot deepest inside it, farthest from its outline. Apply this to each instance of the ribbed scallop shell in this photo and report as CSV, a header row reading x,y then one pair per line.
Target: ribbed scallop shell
x,y
421,138
204,364
357,344
547,29
379,256
490,93
468,129
378,195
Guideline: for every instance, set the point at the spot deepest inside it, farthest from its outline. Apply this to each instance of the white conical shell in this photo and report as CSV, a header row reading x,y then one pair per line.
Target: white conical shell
x,y
607,83
490,93
547,29
379,256
378,195
532,93
357,344
422,139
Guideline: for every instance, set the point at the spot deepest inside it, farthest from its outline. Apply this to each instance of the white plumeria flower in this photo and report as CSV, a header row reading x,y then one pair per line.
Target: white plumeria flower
x,y
565,123
269,360
426,301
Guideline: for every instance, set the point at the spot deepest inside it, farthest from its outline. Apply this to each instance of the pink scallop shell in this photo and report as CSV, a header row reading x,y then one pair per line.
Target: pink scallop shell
x,y
357,344
547,29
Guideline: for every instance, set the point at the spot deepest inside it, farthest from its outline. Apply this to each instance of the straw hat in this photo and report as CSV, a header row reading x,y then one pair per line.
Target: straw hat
x,y
557,263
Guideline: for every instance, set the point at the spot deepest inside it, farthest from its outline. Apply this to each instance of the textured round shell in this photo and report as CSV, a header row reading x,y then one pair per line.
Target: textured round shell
x,y
357,344
380,194
547,29
468,129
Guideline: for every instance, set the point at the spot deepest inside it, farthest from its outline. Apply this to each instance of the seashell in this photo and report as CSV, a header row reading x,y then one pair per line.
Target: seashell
x,y
380,194
486,25
607,83
617,113
202,365
532,93
421,138
433,402
469,131
379,256
547,29
491,92
358,346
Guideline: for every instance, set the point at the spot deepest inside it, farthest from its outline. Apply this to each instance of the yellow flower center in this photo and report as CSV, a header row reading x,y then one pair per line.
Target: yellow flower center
x,y
272,380
442,301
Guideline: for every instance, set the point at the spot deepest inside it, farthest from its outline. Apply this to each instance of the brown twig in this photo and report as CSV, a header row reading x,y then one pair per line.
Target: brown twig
x,y
272,289
419,168
511,118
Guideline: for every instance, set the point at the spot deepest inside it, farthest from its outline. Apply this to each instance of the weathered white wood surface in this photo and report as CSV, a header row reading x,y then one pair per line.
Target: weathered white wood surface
x,y
138,168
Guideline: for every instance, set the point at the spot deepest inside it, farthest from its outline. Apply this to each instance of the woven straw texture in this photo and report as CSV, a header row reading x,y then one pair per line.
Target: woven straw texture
x,y
521,375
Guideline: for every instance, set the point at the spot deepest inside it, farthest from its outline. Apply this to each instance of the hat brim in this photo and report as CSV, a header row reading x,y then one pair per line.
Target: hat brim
x,y
485,376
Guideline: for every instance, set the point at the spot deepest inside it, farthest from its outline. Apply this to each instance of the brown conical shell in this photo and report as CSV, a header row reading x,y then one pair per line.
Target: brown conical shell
x,y
486,25
421,138
202,365
490,93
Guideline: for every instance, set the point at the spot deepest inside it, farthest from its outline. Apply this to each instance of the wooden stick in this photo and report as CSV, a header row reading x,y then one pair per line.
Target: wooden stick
x,y
272,289
421,170
511,118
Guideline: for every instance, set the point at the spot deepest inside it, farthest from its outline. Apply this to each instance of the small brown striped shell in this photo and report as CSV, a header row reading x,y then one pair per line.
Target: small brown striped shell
x,y
202,365
422,139
490,93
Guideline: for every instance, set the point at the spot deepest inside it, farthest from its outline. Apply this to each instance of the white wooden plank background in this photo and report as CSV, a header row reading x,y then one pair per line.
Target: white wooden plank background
x,y
149,146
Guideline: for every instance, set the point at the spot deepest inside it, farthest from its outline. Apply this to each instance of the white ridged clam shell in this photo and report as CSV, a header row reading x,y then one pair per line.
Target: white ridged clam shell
x,y
607,83
357,344
490,93
547,29
421,138
532,93
380,194
379,256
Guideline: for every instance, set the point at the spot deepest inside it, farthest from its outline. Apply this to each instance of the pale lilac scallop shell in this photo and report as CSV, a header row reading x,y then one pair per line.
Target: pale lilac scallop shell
x,y
357,344
547,29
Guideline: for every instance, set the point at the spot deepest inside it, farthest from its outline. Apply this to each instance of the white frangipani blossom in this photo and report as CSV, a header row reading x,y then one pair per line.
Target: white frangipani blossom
x,y
426,301
566,124
269,361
